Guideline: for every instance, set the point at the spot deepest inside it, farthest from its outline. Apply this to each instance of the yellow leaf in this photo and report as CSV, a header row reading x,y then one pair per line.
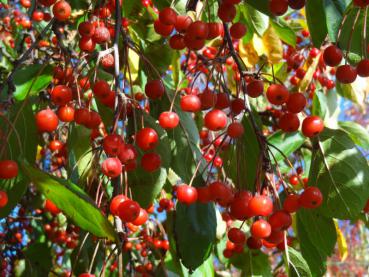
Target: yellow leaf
x,y
272,45
134,61
310,68
38,153
248,54
341,242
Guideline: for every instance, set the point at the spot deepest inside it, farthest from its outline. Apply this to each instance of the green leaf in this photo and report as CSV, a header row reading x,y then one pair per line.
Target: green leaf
x,y
80,154
298,266
247,152
206,269
341,172
316,21
284,31
334,10
258,21
195,231
38,260
286,143
317,235
356,45
260,5
252,263
31,79
72,200
357,133
354,92
15,189
319,104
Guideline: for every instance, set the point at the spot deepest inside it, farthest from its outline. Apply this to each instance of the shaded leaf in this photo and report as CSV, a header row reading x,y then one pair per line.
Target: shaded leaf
x,y
38,260
316,20
298,265
357,133
195,231
286,143
284,31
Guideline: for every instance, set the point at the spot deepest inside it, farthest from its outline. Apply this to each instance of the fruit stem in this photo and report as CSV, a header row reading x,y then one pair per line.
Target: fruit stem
x,y
351,34
364,43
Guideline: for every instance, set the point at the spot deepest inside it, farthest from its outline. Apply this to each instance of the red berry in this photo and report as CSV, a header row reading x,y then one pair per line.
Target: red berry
x,y
101,89
66,114
278,7
237,30
168,120
254,243
227,253
186,194
142,218
239,207
235,235
101,35
296,103
280,220
289,122
260,229
277,94
190,103
182,23
62,10
226,12
221,193
112,144
215,120
61,95
3,199
115,202
215,30
294,180
111,167
168,16
311,126
198,30
177,42
87,44
311,198
296,4
86,29
332,55
46,121
51,207
127,153
363,68
147,138
237,106
361,3
8,169
154,89
107,61
235,130
151,162
255,88
162,29
129,210
261,205
346,74
82,116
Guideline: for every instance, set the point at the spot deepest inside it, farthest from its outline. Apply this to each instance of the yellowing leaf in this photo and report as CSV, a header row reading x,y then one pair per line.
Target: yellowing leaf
x,y
341,242
310,69
356,92
272,45
248,54
133,60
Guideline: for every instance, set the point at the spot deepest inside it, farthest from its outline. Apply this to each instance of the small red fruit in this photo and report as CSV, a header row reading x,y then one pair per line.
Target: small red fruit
x,y
311,198
147,138
168,16
277,94
289,122
8,169
51,207
66,114
296,103
255,88
182,23
312,125
190,103
278,7
235,130
115,202
129,210
111,167
151,162
61,95
168,120
280,220
235,235
363,68
261,205
260,229
215,120
112,144
142,218
186,194
332,56
346,74
3,199
238,30
154,89
62,10
46,121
